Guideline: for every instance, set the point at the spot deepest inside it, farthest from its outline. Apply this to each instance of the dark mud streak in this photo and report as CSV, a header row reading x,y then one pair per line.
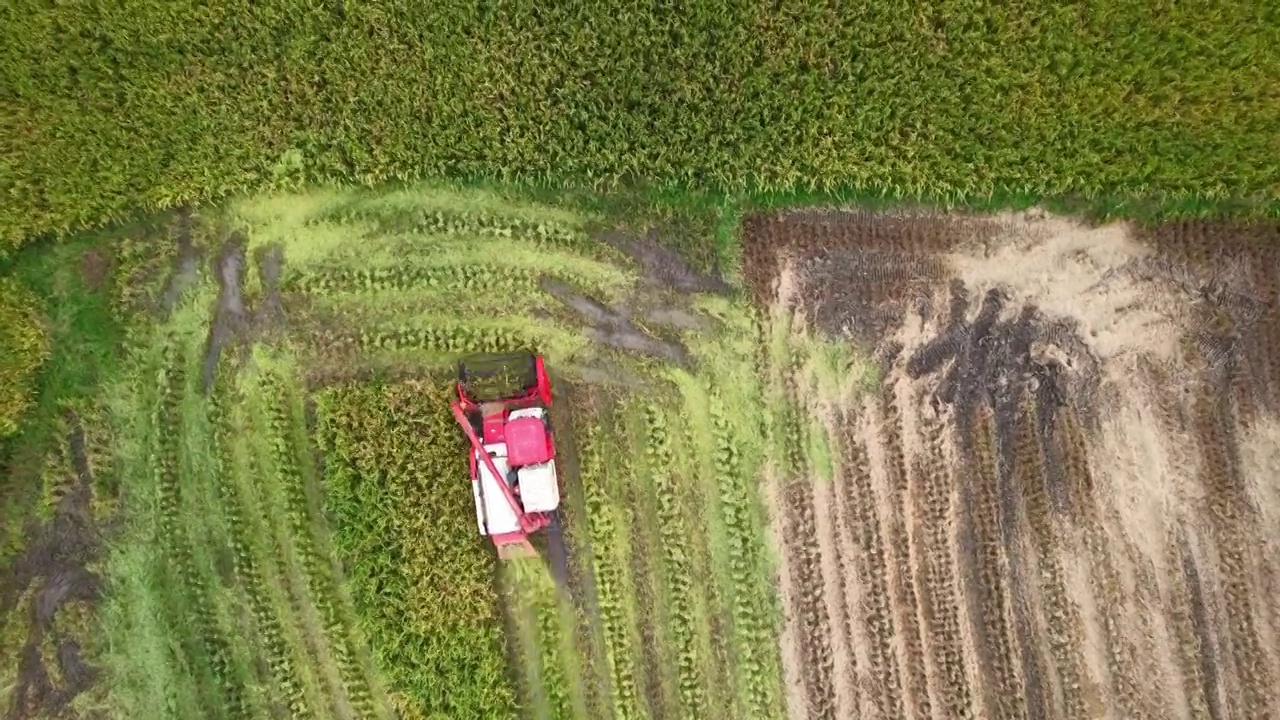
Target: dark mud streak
x,y
661,265
1204,633
580,556
58,552
610,327
270,313
184,272
229,315
1231,522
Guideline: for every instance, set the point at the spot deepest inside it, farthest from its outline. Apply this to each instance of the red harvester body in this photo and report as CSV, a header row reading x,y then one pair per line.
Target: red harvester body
x,y
503,407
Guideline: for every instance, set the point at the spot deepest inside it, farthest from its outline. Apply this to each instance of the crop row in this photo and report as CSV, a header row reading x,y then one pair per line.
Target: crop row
x,y
679,581
1061,617
269,635
1001,653
462,222
939,573
1104,578
1232,525
900,553
878,619
169,428
805,570
610,581
454,338
755,635
459,278
553,662
316,570
395,482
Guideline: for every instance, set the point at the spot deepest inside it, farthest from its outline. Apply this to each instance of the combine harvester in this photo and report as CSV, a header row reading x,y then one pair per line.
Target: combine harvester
x,y
503,406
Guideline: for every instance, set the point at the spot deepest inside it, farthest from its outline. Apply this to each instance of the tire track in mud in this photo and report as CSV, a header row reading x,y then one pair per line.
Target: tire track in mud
x,y
1229,518
937,573
900,545
806,577
1196,653
885,685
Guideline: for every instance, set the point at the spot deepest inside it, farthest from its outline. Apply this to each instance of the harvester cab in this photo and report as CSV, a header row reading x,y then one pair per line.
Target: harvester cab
x,y
503,407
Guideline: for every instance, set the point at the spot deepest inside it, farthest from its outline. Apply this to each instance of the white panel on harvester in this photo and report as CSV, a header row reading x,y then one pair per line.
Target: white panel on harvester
x,y
491,503
539,491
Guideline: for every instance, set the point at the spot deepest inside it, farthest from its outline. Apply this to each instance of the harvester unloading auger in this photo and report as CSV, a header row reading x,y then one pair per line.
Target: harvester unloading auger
x,y
503,406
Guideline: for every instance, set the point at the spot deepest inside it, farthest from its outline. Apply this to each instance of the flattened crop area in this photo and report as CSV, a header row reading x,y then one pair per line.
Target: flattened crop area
x,y
1060,496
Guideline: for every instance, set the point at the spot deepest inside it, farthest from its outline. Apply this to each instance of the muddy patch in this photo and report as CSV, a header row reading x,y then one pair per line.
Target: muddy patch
x,y
611,327
229,315
186,266
269,315
661,266
95,268
55,559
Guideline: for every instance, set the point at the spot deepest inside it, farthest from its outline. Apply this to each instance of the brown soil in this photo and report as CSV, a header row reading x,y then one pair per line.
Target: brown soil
x,y
54,559
1060,504
95,268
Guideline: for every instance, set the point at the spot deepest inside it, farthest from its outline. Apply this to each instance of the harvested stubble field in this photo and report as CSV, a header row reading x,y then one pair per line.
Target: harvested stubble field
x,y
1061,496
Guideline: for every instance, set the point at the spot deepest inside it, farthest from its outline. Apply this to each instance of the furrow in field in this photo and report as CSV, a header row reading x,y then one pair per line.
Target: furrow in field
x,y
677,570
1024,565
173,473
588,631
755,639
1062,623
307,697
1195,652
810,602
1230,519
991,616
613,584
941,598
835,578
1126,689
852,587
789,637
656,676
288,685
696,470
901,562
882,672
297,473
